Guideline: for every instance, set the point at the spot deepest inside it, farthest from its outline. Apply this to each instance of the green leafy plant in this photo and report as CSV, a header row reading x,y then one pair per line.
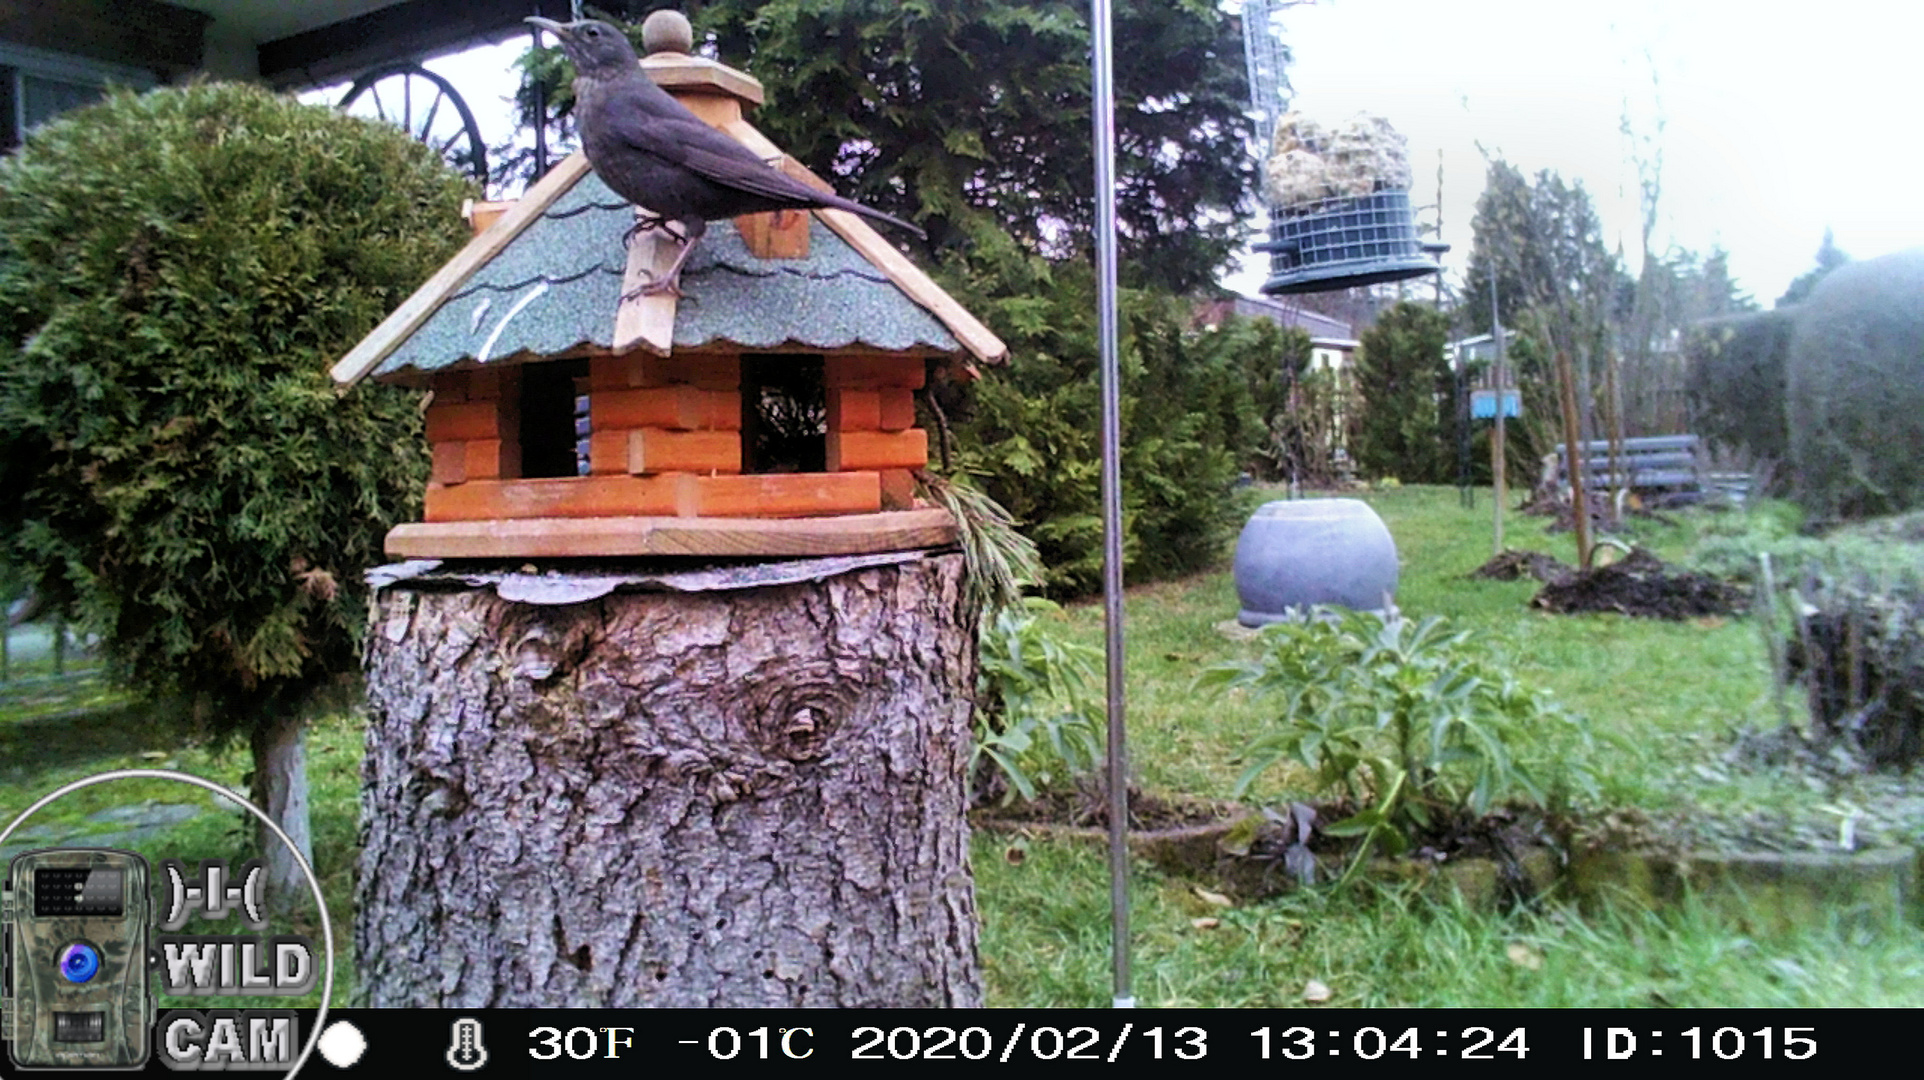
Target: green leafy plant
x,y
1037,722
1402,718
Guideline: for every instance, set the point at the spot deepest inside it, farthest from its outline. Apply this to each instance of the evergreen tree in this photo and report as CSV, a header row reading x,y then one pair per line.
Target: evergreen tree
x,y
1829,258
1541,244
974,116
1716,294
177,474
1407,407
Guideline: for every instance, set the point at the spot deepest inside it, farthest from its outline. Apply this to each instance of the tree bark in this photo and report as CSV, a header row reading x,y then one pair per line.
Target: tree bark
x,y
742,799
279,744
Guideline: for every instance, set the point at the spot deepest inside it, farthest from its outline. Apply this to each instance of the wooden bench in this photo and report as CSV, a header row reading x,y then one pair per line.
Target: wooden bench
x,y
1657,463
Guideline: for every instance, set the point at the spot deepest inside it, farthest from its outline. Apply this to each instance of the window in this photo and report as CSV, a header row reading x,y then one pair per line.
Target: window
x,y
551,436
784,414
37,85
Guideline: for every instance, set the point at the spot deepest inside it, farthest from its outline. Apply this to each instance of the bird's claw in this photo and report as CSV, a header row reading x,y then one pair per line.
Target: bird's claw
x,y
647,223
670,286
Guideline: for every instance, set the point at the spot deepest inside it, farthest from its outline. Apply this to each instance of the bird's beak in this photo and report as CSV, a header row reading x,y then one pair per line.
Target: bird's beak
x,y
564,31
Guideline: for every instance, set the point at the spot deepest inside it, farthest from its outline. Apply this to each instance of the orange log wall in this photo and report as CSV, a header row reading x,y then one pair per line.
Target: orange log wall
x,y
666,441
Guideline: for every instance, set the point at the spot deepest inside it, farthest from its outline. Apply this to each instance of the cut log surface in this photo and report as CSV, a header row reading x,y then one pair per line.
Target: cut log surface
x,y
601,537
724,799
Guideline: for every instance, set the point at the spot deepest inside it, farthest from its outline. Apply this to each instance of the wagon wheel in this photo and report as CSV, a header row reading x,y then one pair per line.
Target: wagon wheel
x,y
427,107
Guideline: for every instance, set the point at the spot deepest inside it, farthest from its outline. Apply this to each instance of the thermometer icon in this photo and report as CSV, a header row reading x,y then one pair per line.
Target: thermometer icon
x,y
466,1052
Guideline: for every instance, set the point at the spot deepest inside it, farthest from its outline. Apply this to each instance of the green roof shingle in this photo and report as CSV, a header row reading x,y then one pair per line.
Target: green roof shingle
x,y
555,288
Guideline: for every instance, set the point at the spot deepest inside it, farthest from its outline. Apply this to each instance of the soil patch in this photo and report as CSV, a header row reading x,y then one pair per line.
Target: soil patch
x,y
1641,585
1088,808
1513,565
1604,512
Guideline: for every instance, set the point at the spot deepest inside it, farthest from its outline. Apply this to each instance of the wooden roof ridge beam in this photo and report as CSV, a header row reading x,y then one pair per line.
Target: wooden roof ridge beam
x,y
646,320
403,321
974,336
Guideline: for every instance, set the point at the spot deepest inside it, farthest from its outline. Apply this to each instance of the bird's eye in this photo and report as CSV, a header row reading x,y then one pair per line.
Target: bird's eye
x,y
592,32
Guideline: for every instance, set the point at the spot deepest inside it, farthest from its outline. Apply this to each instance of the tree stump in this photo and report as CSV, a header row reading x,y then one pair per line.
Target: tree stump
x,y
749,798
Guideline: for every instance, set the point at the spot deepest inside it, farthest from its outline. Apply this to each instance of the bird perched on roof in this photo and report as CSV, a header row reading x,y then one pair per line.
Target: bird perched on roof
x,y
649,149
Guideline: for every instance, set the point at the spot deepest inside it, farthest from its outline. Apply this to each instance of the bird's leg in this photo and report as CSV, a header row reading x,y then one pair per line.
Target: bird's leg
x,y
669,282
646,220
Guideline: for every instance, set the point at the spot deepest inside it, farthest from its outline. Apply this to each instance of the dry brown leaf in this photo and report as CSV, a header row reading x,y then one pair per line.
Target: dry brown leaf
x,y
1524,956
1214,898
1205,923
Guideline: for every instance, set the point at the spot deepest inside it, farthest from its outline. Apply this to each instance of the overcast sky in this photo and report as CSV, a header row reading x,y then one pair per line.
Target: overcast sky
x,y
1779,119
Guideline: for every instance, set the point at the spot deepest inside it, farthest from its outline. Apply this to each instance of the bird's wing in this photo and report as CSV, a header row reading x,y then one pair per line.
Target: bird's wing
x,y
681,138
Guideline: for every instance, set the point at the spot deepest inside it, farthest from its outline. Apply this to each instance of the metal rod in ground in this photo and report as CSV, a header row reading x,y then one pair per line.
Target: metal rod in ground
x,y
1102,49
1773,645
1497,450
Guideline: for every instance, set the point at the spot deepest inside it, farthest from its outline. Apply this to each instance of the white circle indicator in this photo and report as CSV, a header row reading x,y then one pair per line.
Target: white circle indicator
x,y
343,1044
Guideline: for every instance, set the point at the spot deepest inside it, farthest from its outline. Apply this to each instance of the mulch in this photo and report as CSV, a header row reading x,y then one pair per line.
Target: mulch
x,y
1512,565
1641,585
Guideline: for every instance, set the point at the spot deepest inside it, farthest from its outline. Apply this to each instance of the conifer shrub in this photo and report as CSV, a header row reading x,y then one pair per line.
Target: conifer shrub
x,y
178,271
1029,434
1854,391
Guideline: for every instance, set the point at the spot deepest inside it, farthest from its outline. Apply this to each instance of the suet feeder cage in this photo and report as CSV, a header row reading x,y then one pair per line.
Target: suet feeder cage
x,y
1343,243
1340,207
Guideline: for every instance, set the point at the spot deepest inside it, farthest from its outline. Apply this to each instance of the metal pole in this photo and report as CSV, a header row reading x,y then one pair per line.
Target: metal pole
x,y
540,118
1497,451
1103,109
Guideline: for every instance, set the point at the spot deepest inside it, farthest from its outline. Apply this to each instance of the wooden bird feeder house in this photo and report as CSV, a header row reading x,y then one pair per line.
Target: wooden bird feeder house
x,y
588,776
768,411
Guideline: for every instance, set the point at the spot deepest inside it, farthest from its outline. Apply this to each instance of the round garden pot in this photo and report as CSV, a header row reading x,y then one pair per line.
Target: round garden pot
x,y
1296,554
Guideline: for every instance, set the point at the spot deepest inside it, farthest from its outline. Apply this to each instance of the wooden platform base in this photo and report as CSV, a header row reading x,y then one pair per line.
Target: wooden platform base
x,y
846,534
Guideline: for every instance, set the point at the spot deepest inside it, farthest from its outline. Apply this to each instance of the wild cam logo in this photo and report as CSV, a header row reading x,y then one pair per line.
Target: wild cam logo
x,y
221,964
226,965
76,987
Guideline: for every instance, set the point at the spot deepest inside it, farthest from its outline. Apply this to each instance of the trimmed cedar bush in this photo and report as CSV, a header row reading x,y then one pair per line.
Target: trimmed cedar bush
x,y
178,476
1406,426
1854,387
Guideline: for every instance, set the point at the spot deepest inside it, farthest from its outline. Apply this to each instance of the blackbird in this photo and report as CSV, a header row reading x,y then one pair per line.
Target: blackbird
x,y
649,149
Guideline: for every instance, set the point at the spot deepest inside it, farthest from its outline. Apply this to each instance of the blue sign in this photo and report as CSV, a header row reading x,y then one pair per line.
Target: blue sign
x,y
1483,404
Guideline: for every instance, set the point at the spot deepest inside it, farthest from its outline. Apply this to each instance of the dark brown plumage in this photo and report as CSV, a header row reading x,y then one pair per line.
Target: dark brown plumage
x,y
649,149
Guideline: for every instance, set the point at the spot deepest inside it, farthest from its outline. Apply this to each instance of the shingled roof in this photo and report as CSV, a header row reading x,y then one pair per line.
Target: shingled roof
x,y
554,288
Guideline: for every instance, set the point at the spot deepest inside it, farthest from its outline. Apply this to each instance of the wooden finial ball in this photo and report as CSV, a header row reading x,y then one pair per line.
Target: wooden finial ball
x,y
667,32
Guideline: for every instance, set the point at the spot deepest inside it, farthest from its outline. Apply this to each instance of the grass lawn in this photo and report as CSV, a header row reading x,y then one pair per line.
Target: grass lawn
x,y
1661,699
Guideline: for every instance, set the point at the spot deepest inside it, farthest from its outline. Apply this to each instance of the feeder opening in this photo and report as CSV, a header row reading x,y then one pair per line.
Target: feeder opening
x,y
784,414
552,439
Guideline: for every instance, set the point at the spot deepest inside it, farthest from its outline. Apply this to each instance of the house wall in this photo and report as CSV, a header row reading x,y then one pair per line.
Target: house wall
x,y
666,441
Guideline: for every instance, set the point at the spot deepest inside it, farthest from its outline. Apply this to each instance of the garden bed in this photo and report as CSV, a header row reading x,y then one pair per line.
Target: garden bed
x,y
1640,584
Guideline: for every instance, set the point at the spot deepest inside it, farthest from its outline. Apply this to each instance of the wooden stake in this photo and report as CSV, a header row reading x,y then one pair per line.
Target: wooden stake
x,y
1767,619
1573,458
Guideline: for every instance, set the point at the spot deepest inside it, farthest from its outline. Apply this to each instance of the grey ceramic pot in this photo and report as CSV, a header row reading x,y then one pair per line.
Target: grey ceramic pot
x,y
1292,555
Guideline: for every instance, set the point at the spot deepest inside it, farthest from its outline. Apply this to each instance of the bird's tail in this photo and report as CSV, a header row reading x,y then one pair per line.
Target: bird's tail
x,y
853,207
